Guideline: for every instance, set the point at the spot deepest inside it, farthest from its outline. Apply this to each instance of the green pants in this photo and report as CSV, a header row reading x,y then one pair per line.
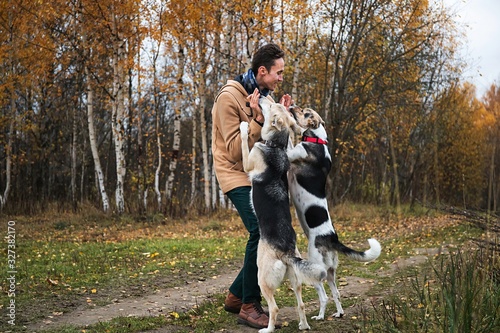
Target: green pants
x,y
246,286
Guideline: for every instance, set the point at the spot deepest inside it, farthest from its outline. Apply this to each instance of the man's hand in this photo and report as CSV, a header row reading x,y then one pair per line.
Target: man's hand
x,y
286,101
254,105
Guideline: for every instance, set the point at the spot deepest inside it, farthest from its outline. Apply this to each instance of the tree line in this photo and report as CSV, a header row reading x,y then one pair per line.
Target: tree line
x,y
108,103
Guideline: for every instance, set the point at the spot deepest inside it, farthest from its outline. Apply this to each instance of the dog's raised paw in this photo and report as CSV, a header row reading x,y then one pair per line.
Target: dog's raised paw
x,y
244,130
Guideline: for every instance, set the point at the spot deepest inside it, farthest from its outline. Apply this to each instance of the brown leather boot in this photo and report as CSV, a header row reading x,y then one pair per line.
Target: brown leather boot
x,y
232,303
252,314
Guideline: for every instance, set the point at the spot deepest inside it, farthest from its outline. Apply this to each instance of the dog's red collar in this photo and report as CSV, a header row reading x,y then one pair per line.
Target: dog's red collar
x,y
315,140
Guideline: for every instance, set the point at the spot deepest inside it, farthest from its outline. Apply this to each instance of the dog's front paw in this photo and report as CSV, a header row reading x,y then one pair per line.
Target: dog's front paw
x,y
244,130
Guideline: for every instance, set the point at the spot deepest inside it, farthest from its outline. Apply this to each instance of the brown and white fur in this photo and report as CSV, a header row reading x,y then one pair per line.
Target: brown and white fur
x,y
310,165
277,255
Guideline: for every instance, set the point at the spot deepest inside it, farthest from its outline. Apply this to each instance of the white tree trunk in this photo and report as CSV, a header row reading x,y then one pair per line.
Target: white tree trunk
x,y
8,148
193,161
8,159
251,48
93,144
225,49
158,130
118,121
300,42
204,144
169,186
158,167
74,143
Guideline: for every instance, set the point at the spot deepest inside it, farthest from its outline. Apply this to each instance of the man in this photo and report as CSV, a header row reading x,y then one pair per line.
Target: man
x,y
238,101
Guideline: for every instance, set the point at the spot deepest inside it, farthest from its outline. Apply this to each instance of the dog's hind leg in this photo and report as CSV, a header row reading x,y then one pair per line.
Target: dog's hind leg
x,y
268,293
271,272
323,300
297,289
330,278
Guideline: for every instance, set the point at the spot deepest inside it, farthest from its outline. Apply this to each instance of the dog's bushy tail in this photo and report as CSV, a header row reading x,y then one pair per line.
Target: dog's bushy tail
x,y
371,254
308,272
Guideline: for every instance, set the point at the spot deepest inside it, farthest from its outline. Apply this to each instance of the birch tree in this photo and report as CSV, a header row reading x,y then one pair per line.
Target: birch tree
x,y
169,185
73,152
7,99
375,70
201,57
193,161
159,153
118,117
87,54
8,145
117,24
223,41
8,165
295,24
93,144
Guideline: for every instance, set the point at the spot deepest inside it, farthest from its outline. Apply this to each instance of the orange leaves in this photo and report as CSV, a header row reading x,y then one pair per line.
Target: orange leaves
x,y
52,282
462,144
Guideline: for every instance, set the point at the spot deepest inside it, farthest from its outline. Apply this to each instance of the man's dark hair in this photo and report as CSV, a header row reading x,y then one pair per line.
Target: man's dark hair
x,y
266,56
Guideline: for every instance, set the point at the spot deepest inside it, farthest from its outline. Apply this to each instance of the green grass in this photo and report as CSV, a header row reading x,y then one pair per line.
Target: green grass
x,y
118,325
66,261
455,293
58,269
78,265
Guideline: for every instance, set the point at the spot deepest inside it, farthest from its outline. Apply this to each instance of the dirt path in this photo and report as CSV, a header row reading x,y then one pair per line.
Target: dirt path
x,y
180,299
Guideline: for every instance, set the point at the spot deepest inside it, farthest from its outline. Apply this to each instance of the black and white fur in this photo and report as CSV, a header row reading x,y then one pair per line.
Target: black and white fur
x,y
277,255
310,165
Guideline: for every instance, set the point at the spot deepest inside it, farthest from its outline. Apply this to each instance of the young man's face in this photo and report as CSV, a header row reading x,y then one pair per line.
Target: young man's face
x,y
270,79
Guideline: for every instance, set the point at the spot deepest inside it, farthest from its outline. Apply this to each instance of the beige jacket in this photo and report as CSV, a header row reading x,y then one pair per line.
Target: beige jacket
x,y
228,112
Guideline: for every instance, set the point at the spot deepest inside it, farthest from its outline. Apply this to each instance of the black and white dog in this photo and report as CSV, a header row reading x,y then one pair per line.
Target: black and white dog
x,y
277,255
310,165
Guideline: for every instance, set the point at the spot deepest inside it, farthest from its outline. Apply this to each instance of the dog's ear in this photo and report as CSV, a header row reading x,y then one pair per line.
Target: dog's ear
x,y
294,109
321,121
277,122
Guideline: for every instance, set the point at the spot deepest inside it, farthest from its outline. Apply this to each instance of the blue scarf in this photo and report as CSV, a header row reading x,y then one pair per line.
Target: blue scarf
x,y
249,82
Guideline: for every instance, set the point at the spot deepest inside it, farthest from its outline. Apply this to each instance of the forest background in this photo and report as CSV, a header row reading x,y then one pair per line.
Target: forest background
x,y
108,103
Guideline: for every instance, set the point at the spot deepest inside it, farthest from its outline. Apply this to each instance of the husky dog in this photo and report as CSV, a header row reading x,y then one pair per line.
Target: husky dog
x,y
310,165
277,255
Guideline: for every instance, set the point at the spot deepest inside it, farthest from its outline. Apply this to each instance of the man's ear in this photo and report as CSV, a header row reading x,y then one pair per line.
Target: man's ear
x,y
262,70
